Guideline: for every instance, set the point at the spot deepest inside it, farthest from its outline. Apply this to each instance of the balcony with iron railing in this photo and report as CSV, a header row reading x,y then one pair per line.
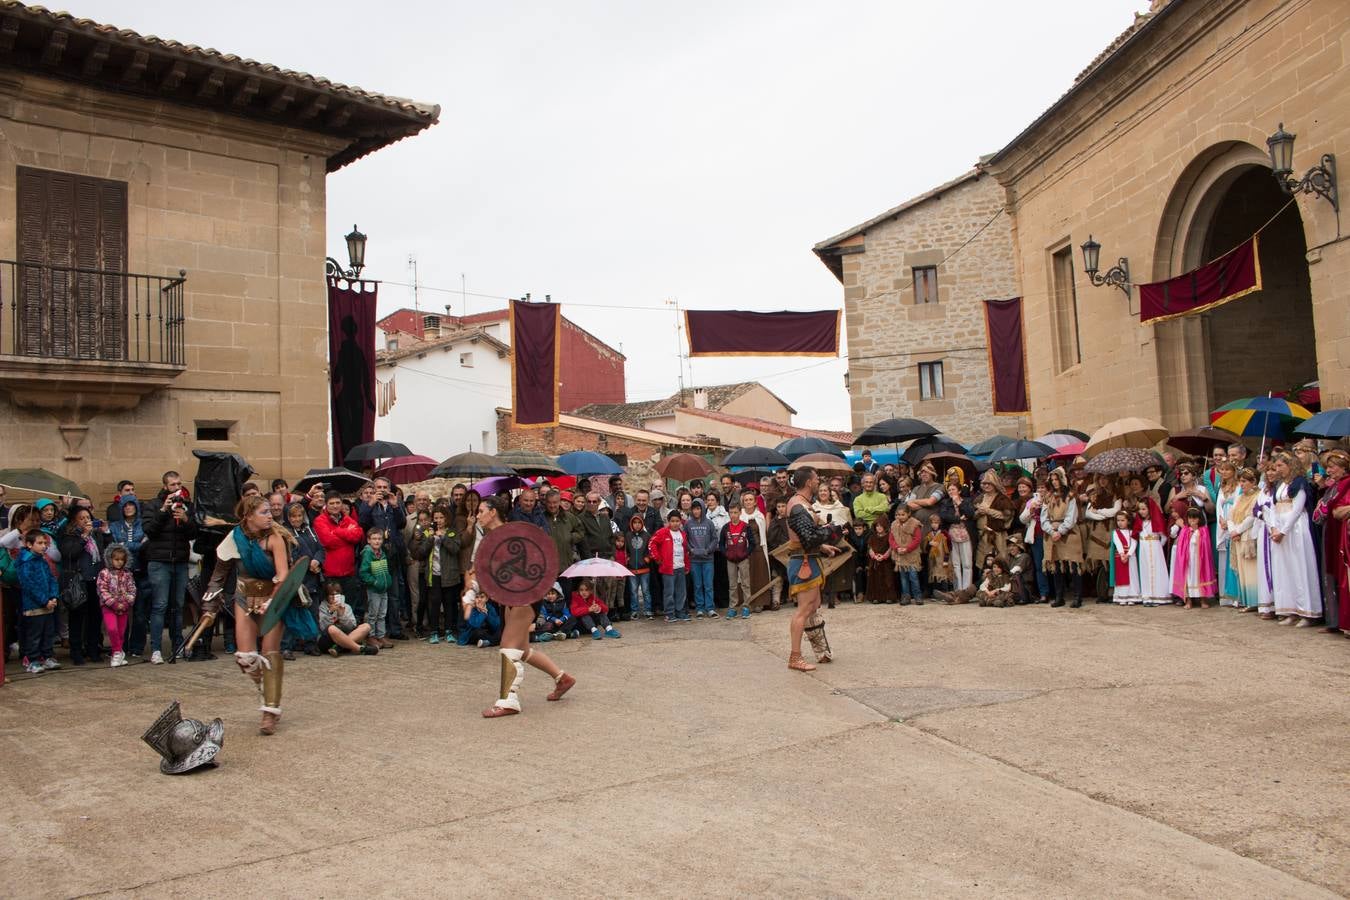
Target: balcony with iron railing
x,y
88,340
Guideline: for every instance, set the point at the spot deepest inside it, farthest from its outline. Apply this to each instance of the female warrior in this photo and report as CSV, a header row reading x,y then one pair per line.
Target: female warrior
x,y
263,563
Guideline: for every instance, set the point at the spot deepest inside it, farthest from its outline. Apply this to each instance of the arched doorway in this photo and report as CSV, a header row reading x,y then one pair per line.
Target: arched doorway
x,y
1258,343
1264,341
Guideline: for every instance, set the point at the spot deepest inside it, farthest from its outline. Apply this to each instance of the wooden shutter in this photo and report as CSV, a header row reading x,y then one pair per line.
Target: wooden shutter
x,y
75,222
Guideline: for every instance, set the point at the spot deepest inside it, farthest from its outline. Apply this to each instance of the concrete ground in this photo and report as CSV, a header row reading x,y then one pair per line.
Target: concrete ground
x,y
1123,752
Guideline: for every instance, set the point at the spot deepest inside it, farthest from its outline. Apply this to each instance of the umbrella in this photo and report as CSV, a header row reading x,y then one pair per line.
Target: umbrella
x,y
683,467
1057,440
1127,432
1071,432
39,481
406,469
893,431
938,443
1259,416
530,462
1331,423
498,483
945,459
1021,450
751,476
755,456
342,480
1069,450
588,462
471,465
1122,459
989,445
1201,441
375,450
800,446
596,568
824,463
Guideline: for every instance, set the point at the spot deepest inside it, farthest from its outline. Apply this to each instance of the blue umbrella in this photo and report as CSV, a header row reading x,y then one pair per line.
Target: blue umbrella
x,y
1333,423
800,446
588,462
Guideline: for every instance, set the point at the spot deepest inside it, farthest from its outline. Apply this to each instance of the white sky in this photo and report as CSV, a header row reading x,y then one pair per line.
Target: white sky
x,y
624,154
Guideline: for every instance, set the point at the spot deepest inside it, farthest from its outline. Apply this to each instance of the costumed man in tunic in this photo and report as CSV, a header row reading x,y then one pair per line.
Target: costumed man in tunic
x,y
1100,514
515,646
1063,542
807,541
259,549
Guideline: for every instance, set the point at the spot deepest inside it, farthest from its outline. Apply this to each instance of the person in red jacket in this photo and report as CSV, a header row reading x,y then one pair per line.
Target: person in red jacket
x,y
340,534
669,550
591,611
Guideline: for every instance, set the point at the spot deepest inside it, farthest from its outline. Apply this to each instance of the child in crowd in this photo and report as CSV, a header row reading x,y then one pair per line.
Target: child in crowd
x,y
857,539
1124,560
337,625
906,535
1193,560
482,623
555,619
116,595
592,612
39,593
880,570
621,557
1023,570
736,541
997,587
377,578
938,550
639,563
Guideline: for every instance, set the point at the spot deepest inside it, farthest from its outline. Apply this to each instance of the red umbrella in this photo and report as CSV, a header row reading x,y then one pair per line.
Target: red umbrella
x,y
406,469
1069,451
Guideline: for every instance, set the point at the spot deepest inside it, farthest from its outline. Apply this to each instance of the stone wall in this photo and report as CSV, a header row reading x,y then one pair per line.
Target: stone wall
x,y
641,455
889,334
1139,158
240,206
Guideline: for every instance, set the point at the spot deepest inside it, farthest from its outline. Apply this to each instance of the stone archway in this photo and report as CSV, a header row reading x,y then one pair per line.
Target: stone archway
x,y
1264,341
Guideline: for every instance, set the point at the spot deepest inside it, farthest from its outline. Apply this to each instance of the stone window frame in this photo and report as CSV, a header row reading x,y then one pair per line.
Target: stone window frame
x,y
930,387
1066,335
928,277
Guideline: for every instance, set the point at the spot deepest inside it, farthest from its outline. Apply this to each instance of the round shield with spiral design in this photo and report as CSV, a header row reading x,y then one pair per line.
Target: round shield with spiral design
x,y
516,564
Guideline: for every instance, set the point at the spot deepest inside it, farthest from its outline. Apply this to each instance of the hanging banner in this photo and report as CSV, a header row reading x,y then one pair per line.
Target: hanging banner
x,y
536,347
1235,274
1007,356
351,363
736,333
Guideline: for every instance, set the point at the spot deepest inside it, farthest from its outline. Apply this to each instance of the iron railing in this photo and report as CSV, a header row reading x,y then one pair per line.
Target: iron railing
x,y
72,313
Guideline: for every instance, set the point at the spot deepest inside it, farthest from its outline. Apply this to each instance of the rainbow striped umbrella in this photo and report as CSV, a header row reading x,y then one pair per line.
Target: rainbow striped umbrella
x,y
1259,416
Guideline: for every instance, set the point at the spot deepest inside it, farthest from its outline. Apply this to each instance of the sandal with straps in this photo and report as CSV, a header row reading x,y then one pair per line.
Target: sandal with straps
x,y
796,662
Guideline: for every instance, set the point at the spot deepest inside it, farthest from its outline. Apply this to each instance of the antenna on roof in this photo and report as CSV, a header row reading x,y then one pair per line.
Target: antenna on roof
x,y
412,268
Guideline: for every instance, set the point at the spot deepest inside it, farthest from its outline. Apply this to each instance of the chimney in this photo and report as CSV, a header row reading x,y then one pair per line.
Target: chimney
x,y
700,398
431,327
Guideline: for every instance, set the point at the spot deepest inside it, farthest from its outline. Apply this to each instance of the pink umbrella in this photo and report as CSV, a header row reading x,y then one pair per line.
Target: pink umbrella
x,y
1069,450
595,568
407,469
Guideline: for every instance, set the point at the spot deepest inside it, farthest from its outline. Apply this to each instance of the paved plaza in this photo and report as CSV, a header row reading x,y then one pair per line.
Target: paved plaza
x,y
948,751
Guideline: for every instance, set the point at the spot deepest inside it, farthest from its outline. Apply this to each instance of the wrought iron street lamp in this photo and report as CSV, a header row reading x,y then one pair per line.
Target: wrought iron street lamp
x,y
356,255
1319,180
1118,275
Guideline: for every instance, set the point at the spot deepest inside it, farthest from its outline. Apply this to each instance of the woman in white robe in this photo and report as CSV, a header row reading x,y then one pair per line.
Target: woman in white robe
x,y
1294,582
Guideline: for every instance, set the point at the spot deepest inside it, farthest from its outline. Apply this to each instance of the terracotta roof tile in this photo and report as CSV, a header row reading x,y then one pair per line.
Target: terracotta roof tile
x,y
843,438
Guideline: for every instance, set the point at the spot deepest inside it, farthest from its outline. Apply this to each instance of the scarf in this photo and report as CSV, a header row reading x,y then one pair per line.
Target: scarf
x,y
257,562
1122,541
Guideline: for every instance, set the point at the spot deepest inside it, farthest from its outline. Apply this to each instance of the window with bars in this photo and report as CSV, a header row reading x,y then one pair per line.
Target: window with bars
x,y
72,292
925,284
930,381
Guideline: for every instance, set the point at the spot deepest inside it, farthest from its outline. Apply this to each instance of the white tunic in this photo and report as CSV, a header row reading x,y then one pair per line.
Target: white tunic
x,y
1126,594
1155,585
1293,562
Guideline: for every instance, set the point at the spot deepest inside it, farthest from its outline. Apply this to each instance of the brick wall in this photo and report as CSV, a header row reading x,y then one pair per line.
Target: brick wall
x,y
889,334
554,441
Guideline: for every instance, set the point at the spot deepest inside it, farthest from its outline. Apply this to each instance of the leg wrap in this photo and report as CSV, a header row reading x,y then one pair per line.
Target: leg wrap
x,y
252,664
513,673
271,680
815,633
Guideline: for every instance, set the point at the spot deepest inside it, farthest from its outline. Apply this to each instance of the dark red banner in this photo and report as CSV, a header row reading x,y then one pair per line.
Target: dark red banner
x,y
536,345
351,363
1007,356
1233,275
736,333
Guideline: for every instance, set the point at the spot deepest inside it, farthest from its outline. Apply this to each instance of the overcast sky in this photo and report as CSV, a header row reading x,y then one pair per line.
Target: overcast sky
x,y
626,155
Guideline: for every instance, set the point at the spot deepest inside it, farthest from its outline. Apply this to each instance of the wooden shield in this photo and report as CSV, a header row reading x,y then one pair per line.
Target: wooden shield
x,y
516,564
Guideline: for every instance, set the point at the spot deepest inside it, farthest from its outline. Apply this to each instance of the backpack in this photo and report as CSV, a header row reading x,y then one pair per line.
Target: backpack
x,y
738,544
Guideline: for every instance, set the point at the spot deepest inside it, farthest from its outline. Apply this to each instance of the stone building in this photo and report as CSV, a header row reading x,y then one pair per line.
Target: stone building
x,y
163,277
1158,150
915,278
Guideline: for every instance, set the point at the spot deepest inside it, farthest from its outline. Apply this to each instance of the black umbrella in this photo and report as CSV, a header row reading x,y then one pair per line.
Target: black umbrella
x,y
755,456
894,431
1021,450
750,476
938,443
472,465
800,446
1072,432
990,444
374,450
342,480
